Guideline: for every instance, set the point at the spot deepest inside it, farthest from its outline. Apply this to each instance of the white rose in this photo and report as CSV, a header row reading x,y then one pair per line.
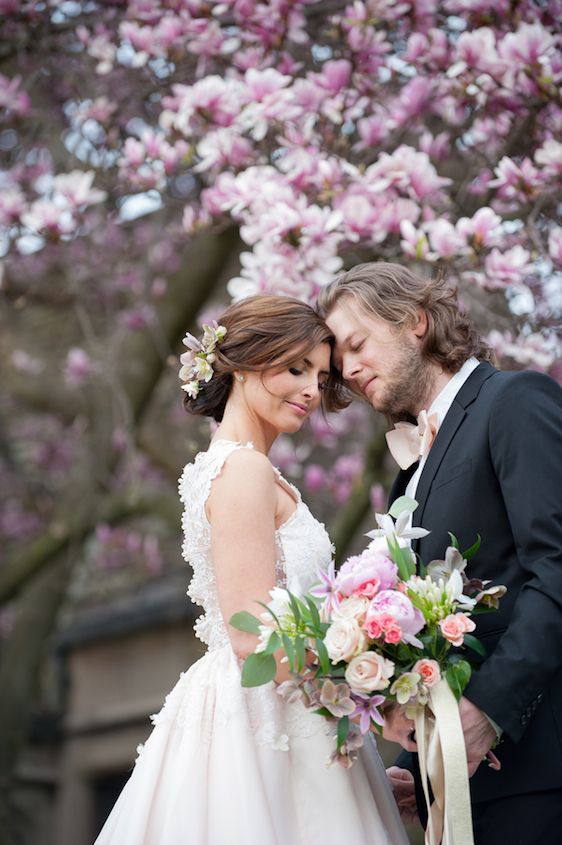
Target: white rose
x,y
344,638
368,672
355,607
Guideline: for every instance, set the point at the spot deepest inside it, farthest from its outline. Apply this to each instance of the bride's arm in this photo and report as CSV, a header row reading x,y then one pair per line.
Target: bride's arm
x,y
241,510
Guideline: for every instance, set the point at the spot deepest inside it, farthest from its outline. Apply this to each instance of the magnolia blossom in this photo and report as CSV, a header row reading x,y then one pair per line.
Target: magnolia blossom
x,y
78,367
507,268
76,187
555,244
483,229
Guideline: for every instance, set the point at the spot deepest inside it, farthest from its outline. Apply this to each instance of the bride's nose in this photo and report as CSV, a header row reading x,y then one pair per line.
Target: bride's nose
x,y
311,391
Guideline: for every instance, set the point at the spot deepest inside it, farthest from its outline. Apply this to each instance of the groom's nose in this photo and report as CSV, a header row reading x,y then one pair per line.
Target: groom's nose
x,y
350,367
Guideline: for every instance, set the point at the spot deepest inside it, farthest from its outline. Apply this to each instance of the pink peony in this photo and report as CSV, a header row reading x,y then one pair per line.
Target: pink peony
x,y
368,568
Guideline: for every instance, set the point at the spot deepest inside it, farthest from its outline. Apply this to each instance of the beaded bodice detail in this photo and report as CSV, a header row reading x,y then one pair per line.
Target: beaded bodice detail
x,y
302,543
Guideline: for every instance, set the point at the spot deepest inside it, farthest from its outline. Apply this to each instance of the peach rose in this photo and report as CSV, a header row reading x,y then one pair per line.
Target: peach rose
x,y
344,638
429,671
455,626
368,672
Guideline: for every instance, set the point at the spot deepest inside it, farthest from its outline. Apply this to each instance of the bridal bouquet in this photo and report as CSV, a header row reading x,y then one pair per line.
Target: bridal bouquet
x,y
374,632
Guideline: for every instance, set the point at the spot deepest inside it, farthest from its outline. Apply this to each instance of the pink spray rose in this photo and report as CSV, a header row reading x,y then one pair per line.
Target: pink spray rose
x,y
429,671
455,626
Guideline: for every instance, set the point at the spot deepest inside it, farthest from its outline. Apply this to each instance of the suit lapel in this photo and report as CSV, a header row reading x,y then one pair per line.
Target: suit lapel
x,y
453,419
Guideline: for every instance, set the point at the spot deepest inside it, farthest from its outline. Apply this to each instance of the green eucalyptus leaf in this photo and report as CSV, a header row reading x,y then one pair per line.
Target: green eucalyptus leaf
x,y
244,621
401,504
258,669
274,643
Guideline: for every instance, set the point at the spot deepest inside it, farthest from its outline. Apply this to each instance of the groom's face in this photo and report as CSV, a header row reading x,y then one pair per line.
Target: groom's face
x,y
378,361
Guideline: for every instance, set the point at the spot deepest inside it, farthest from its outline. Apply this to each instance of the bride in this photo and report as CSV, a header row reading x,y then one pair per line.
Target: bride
x,y
226,765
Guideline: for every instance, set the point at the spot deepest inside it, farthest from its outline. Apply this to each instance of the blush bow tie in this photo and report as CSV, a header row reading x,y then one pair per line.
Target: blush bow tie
x,y
408,442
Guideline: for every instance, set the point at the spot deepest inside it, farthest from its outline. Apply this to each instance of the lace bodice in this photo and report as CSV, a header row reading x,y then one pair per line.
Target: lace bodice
x,y
303,545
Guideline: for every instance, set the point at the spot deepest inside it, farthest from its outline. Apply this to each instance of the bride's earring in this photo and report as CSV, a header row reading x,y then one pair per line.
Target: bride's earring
x,y
241,378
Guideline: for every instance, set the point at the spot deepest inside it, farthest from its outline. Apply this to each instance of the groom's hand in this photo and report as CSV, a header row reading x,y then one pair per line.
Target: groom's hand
x,y
479,735
397,728
402,785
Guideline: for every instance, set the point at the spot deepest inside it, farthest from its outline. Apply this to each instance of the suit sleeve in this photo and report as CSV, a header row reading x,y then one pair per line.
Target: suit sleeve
x,y
525,440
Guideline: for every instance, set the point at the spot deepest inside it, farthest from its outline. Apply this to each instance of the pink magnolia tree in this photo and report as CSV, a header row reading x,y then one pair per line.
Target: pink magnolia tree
x,y
136,137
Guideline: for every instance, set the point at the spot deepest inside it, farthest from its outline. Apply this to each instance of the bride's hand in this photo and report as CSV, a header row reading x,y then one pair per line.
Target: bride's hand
x,y
402,785
397,728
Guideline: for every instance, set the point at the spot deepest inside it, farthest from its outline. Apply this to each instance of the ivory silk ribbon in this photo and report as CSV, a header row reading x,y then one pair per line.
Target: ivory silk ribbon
x,y
442,759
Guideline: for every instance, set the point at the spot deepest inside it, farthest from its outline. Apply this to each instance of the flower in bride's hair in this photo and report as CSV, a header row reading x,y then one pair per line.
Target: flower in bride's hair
x,y
191,388
198,360
337,699
202,369
192,343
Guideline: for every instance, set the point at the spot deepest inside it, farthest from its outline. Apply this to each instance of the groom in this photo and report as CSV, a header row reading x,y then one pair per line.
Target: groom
x,y
490,463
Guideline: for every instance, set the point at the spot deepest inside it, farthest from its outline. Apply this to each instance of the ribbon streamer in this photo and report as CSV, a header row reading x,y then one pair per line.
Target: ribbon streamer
x,y
442,758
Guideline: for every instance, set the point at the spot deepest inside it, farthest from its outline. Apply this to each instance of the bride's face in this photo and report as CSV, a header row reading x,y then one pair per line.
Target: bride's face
x,y
284,397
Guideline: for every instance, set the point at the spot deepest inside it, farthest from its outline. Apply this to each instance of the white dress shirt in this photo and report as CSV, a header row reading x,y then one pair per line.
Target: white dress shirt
x,y
440,406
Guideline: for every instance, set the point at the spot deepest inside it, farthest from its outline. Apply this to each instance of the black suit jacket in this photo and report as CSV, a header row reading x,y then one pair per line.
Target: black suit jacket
x,y
495,469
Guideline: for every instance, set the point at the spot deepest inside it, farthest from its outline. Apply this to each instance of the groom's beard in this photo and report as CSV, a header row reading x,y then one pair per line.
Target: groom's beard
x,y
407,385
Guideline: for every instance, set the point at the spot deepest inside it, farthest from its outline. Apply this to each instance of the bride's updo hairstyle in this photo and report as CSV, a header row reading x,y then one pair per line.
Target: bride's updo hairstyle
x,y
265,332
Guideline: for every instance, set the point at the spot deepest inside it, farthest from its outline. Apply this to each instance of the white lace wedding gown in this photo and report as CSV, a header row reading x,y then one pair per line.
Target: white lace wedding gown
x,y
231,766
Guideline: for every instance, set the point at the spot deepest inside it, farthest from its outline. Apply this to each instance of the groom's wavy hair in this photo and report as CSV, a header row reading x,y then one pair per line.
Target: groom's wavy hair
x,y
266,332
395,294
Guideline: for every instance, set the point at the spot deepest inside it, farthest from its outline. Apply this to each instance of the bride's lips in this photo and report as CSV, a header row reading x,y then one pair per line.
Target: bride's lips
x,y
300,409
